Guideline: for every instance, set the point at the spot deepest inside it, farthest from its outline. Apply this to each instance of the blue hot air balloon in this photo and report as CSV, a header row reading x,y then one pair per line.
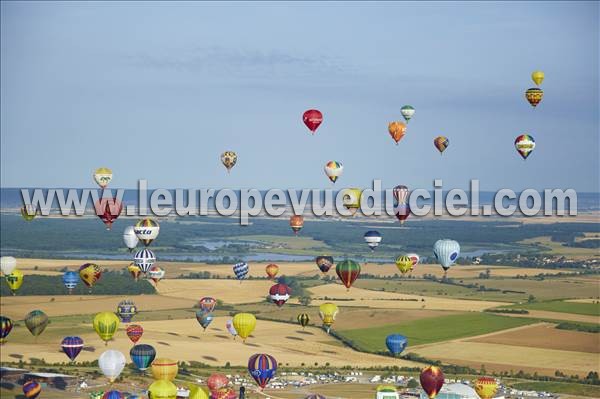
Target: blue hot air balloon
x,y
70,280
262,368
241,270
204,318
446,252
142,356
72,346
113,395
396,343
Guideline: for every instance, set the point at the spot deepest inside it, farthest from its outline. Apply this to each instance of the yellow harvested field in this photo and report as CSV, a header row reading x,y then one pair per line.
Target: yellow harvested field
x,y
18,306
547,315
183,339
584,300
229,291
338,294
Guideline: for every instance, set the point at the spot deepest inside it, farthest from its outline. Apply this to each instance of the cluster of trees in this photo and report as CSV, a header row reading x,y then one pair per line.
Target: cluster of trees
x,y
590,328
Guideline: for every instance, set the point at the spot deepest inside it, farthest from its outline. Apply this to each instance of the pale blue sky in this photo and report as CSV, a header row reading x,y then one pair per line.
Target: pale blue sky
x,y
159,90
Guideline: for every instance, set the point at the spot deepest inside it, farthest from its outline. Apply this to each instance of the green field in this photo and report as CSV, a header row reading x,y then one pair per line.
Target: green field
x,y
590,309
568,388
425,331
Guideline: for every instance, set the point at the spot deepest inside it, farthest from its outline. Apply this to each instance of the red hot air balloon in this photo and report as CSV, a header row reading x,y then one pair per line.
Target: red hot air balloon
x,y
108,210
432,380
216,382
312,119
134,332
279,294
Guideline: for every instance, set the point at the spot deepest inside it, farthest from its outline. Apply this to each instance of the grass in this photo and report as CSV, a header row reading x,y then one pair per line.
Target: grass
x,y
590,309
438,329
568,388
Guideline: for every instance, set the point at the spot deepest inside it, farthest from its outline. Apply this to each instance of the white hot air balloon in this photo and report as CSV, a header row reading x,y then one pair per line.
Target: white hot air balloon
x,y
130,238
333,170
372,238
415,260
144,259
7,264
111,364
446,252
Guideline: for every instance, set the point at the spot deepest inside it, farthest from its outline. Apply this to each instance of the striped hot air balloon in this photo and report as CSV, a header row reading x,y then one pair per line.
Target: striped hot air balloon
x,y
348,271
32,389
142,356
407,112
241,270
72,346
404,264
432,380
6,326
279,294
372,238
164,369
134,332
262,368
534,96
36,322
144,259
207,304
303,319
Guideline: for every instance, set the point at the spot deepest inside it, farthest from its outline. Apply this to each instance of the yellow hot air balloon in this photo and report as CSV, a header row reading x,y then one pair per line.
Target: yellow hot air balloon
x,y
164,369
162,389
404,264
196,392
486,387
106,324
328,311
103,176
537,77
14,280
244,324
229,159
351,199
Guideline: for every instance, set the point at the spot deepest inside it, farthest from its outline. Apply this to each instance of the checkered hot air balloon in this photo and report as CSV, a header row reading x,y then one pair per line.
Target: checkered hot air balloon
x,y
72,346
279,294
241,270
262,368
144,259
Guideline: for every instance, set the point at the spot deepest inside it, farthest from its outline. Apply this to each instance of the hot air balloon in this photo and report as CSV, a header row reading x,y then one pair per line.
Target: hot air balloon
x,y
441,143
90,273
32,389
372,238
333,170
407,112
113,395
144,259
164,369
36,322
14,280
6,326
414,259
272,270
28,212
231,328
156,274
534,96
486,387
70,280
351,199
324,263
397,130
207,304
244,324
134,270
105,325
204,318
303,319
348,271
108,210
146,230
229,159
432,380
126,309
142,356
162,389
537,77
129,238
312,119
262,368
296,223
279,294
404,264
327,312
402,212
224,393
111,363
241,270
72,346
134,332
396,343
446,252
196,392
216,382
7,264
103,176
401,194
524,145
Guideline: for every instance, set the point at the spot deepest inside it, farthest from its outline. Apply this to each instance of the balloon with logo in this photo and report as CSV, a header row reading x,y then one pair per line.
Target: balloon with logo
x,y
134,270
296,223
164,369
524,145
244,324
144,259
327,312
204,318
134,332
303,319
241,270
397,130
446,252
404,264
90,273
396,343
441,143
231,328
272,270
229,159
312,119
32,389
142,356
162,389
537,77
262,368
146,230
333,170
372,238
534,96
216,382
156,274
36,322
28,212
324,262
348,271
407,112
108,210
6,326
279,294
126,309
207,304
7,264
111,364
70,280
14,280
414,258
72,346
351,199
130,238
106,325
103,176
432,380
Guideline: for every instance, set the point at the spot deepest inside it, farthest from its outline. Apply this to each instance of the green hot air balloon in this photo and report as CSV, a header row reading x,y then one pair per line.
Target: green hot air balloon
x,y
348,271
36,322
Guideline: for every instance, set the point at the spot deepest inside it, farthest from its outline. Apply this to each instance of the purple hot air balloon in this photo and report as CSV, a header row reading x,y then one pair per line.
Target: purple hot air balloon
x,y
72,346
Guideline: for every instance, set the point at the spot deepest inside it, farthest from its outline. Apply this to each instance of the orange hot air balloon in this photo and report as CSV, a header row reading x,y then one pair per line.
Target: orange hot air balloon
x,y
441,143
397,130
486,387
534,96
296,223
272,270
432,380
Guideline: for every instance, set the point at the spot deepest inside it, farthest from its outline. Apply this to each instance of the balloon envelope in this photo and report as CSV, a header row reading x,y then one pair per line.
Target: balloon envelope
x,y
432,380
72,346
129,238
244,324
36,322
103,176
348,271
144,259
14,280
90,273
6,326
524,145
324,262
142,356
164,369
396,343
441,143
303,319
333,170
312,119
262,368
162,389
279,294
7,264
241,270
146,230
106,325
446,252
486,387
229,159
32,389
111,364
126,309
134,332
